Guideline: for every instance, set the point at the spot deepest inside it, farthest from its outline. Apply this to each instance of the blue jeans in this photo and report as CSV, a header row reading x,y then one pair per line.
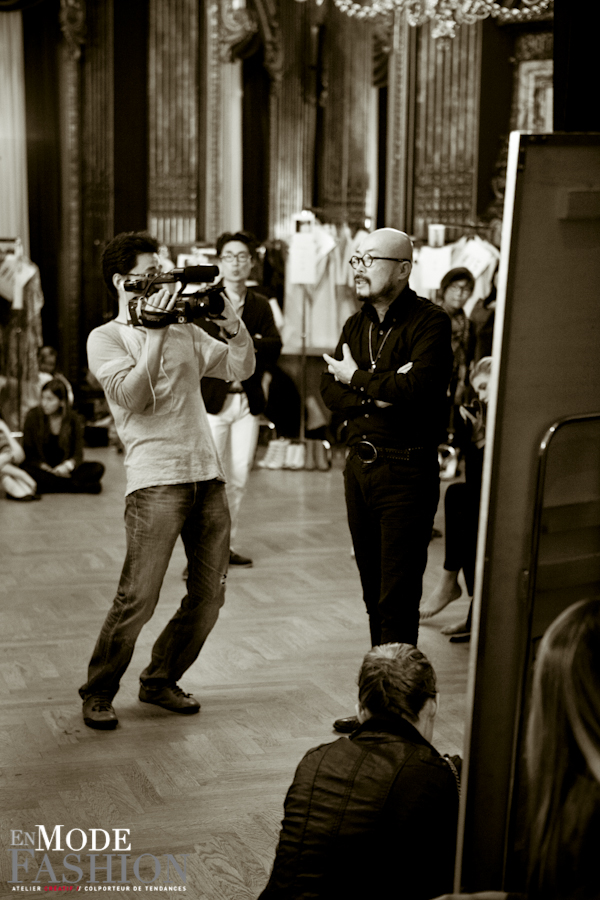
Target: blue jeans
x,y
154,519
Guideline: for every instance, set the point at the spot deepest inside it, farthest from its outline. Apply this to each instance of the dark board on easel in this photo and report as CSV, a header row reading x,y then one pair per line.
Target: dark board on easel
x,y
547,367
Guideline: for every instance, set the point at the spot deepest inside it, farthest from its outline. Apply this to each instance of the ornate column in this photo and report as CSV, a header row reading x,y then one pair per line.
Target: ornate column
x,y
229,27
347,106
446,128
173,120
400,125
288,123
97,162
72,22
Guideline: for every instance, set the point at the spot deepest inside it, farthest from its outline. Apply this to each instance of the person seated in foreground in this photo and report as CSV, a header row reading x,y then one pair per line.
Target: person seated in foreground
x,y
373,815
563,762
14,481
53,443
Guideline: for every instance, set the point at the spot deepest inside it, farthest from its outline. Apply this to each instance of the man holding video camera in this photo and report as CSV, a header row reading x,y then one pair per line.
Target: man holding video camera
x,y
151,374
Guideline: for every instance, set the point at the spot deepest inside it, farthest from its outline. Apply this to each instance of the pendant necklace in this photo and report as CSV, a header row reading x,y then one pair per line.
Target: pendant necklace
x,y
375,358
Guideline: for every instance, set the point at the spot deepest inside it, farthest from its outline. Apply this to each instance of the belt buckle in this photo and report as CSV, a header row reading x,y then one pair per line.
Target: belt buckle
x,y
368,448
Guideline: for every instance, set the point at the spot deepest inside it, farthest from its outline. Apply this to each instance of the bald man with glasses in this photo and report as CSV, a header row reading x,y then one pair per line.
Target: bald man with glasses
x,y
388,378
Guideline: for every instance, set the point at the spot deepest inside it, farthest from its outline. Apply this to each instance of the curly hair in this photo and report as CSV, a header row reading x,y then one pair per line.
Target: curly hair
x,y
396,680
120,255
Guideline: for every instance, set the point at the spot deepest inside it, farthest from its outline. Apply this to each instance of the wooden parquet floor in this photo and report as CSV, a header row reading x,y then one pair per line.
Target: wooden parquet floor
x,y
280,664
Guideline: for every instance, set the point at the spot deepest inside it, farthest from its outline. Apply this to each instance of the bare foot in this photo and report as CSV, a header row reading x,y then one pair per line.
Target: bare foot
x,y
447,590
457,628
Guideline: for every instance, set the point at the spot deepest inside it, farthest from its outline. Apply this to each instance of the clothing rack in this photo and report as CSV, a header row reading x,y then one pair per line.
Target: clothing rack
x,y
14,246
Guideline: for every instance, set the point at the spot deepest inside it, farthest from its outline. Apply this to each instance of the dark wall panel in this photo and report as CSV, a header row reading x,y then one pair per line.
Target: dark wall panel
x,y
41,37
131,115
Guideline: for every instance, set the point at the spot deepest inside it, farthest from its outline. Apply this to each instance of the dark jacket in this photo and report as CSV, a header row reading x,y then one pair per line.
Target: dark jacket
x,y
258,319
373,816
420,333
36,436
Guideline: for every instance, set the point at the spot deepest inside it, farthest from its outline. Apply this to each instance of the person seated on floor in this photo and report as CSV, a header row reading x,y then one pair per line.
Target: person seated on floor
x,y
373,815
461,509
47,363
53,444
14,481
562,755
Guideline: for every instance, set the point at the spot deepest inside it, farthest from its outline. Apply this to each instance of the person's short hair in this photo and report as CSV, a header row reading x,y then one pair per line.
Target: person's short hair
x,y
458,274
46,349
483,367
244,237
395,680
58,389
120,255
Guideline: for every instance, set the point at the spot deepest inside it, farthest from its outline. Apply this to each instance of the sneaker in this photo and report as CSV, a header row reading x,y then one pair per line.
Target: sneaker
x,y
171,698
242,562
274,458
98,712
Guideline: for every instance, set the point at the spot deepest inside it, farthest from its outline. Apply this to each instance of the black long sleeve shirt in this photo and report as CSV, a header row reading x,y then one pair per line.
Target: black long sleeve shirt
x,y
413,330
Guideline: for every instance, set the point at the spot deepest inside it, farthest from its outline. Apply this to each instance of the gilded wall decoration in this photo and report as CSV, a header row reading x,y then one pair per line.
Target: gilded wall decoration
x,y
238,26
446,129
72,22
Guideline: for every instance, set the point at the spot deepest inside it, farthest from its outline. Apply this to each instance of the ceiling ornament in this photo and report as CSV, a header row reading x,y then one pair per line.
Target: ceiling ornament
x,y
447,15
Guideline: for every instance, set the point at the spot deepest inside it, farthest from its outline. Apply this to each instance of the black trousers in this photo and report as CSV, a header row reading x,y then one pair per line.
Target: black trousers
x,y
461,508
85,479
391,507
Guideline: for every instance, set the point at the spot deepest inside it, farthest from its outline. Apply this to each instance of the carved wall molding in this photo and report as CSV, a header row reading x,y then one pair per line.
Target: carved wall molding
x,y
398,200
534,45
69,263
237,26
446,129
268,19
344,179
213,199
97,161
72,22
173,120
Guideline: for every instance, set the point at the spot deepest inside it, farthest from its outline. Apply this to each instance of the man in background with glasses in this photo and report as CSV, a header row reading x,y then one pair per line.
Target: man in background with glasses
x,y
389,377
234,407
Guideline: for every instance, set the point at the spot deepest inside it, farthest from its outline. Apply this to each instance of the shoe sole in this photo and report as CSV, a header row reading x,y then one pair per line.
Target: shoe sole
x,y
110,725
183,710
242,565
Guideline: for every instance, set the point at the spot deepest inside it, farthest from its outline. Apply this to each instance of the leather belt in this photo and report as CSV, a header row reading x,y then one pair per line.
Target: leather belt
x,y
236,391
368,452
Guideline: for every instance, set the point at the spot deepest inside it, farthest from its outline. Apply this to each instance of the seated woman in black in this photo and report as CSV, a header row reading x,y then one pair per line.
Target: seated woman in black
x,y
53,444
373,815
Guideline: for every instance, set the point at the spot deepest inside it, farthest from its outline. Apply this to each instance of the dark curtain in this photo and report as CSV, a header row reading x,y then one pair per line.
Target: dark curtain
x,y
16,5
255,141
41,37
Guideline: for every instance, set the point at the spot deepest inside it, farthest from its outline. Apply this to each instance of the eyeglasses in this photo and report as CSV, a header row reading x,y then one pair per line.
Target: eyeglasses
x,y
367,260
236,257
460,287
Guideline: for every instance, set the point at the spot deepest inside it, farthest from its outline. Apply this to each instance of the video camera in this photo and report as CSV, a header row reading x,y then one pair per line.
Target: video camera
x,y
207,304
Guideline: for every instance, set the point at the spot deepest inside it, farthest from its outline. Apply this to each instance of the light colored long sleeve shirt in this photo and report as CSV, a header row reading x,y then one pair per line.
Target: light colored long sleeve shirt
x,y
165,433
